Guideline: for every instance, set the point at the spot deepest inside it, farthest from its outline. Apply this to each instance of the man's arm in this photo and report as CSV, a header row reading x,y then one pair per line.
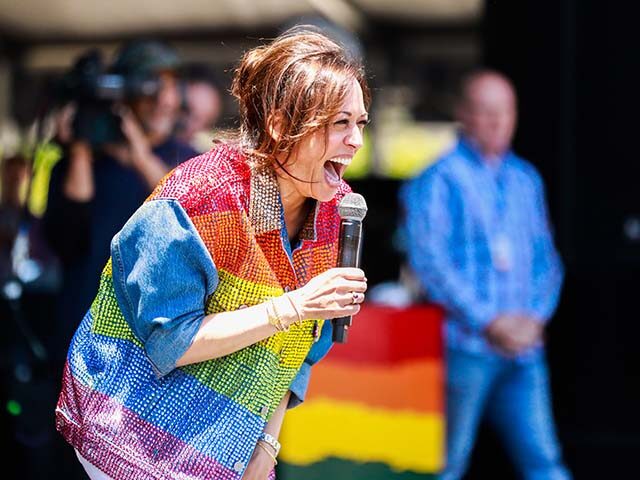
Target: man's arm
x,y
548,271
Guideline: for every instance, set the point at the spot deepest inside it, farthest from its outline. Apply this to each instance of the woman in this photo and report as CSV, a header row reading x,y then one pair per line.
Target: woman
x,y
211,310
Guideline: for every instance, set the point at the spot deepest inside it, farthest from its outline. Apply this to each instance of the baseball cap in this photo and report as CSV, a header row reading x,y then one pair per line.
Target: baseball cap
x,y
145,57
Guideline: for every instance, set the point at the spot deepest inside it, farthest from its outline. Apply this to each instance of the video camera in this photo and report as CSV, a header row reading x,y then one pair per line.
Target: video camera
x,y
95,89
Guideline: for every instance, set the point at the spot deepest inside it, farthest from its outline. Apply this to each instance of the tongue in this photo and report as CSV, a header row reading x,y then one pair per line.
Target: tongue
x,y
331,175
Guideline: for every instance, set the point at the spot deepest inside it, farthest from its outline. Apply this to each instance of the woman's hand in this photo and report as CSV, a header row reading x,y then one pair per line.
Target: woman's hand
x,y
260,465
338,292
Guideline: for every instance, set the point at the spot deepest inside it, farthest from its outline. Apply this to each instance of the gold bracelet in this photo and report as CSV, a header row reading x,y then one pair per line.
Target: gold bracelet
x,y
283,327
275,460
274,318
295,308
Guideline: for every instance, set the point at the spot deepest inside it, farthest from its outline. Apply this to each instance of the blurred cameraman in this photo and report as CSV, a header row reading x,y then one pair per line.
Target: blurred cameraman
x,y
120,144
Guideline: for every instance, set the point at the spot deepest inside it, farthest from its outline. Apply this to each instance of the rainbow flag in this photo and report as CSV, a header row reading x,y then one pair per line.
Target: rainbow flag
x,y
375,405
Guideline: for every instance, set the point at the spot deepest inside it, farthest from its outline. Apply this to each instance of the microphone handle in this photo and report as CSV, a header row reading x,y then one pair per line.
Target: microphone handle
x,y
349,252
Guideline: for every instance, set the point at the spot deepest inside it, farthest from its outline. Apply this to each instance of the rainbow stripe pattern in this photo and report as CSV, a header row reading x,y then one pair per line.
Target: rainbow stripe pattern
x,y
375,405
202,420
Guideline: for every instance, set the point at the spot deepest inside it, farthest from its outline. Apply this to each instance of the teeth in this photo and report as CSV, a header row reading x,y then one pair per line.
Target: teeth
x,y
342,160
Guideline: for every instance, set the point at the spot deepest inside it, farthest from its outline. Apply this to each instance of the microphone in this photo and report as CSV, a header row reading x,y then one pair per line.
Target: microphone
x,y
352,210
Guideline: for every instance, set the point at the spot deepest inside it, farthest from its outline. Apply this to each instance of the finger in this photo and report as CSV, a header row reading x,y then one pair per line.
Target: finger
x,y
351,298
345,311
357,297
348,286
518,345
350,273
353,310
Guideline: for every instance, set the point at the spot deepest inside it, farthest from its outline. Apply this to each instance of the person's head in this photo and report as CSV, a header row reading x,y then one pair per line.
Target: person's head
x,y
151,59
303,104
487,111
203,101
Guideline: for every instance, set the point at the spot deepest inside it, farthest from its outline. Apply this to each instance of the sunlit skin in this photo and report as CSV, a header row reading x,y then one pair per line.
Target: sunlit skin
x,y
488,114
318,161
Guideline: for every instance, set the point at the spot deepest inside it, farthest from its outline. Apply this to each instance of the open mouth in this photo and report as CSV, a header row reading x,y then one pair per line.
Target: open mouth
x,y
334,169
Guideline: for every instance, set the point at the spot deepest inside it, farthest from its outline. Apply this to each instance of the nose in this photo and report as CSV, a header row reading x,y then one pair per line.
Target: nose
x,y
354,138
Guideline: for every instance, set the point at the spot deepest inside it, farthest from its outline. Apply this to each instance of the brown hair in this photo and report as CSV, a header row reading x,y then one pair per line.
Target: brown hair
x,y
298,81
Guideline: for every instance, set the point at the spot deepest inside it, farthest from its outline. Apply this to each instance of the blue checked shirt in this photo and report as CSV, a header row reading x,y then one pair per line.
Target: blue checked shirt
x,y
479,240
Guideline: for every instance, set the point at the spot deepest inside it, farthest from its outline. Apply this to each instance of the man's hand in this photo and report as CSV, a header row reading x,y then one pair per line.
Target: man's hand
x,y
512,334
137,153
136,150
134,133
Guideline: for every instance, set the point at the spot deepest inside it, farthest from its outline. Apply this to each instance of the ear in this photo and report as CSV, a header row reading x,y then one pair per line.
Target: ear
x,y
274,126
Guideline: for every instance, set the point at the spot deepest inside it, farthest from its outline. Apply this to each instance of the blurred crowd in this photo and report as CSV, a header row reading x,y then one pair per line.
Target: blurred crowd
x,y
112,131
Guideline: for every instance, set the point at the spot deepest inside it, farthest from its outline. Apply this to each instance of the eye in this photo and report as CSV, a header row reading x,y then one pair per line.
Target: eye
x,y
342,122
364,123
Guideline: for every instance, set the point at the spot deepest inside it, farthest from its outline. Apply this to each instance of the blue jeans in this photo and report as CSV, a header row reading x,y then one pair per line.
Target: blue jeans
x,y
516,399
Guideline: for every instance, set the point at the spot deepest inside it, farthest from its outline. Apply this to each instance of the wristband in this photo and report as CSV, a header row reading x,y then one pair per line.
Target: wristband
x,y
271,441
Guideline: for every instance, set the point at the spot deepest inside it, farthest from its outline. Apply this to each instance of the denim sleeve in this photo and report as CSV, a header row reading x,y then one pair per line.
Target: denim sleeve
x,y
428,203
319,349
162,275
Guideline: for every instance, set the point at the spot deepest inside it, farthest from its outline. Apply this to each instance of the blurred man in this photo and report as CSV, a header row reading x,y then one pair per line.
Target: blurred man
x,y
203,106
117,153
480,242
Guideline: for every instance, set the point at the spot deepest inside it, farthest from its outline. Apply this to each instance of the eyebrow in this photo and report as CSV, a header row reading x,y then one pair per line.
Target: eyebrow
x,y
350,114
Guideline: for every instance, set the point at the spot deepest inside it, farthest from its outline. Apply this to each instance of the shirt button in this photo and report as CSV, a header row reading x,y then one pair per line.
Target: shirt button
x,y
287,288
238,466
264,410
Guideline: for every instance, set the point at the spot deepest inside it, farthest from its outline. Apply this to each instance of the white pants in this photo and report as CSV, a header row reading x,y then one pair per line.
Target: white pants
x,y
93,472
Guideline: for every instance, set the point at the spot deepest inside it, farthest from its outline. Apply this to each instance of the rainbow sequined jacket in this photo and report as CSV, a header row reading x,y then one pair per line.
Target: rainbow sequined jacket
x,y
201,421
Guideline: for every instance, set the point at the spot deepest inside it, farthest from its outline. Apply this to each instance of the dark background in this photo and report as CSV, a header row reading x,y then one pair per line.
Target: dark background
x,y
575,66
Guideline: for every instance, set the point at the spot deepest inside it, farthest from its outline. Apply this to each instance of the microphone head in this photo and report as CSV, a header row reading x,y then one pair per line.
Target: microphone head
x,y
352,207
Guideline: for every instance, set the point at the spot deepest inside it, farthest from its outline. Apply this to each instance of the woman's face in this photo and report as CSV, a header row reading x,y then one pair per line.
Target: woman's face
x,y
319,160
